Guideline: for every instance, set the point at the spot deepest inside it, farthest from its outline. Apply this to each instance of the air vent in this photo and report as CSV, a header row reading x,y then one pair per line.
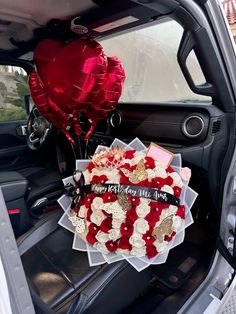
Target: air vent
x,y
216,126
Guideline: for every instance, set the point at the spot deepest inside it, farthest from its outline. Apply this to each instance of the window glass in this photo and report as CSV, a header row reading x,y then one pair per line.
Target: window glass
x,y
13,88
149,56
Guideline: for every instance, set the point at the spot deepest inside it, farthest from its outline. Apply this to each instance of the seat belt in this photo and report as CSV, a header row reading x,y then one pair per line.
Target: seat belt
x,y
225,253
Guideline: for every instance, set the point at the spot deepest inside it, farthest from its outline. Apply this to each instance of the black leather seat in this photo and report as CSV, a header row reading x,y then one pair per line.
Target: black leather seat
x,y
64,280
42,182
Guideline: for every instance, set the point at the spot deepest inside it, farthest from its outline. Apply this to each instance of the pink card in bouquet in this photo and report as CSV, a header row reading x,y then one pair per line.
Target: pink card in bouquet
x,y
160,154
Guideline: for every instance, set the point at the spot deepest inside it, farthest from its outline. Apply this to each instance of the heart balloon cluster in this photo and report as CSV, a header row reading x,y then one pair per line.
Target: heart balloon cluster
x,y
75,78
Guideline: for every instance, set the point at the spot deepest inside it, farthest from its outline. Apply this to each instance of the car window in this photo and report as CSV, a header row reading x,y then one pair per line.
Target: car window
x,y
13,89
149,56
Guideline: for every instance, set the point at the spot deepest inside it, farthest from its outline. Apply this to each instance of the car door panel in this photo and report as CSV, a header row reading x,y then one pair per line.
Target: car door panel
x,y
14,151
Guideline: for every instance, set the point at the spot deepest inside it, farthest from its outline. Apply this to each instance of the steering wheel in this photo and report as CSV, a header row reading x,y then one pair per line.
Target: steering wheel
x,y
38,130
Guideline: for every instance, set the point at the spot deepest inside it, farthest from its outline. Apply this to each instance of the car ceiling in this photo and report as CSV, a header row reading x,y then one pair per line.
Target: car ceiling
x,y
24,23
18,19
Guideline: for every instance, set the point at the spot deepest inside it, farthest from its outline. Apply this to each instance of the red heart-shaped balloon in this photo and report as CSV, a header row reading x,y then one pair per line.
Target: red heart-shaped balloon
x,y
78,77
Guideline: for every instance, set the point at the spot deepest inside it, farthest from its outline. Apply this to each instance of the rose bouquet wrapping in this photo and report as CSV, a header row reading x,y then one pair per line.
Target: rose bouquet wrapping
x,y
126,203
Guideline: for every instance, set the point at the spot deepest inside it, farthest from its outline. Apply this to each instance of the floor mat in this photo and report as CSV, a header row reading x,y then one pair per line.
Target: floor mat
x,y
180,265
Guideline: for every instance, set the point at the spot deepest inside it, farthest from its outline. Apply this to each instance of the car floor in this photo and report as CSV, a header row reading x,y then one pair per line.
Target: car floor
x,y
174,281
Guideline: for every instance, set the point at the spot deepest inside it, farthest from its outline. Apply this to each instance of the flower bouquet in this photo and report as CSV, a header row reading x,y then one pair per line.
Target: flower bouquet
x,y
128,202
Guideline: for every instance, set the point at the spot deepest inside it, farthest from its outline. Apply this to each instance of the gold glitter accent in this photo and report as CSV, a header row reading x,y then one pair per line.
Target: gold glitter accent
x,y
139,173
124,202
165,228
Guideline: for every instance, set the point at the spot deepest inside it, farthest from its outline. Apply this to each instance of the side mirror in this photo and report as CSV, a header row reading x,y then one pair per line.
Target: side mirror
x,y
29,104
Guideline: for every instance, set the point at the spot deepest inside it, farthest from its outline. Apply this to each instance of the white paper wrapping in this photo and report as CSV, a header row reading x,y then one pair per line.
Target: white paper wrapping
x,y
187,198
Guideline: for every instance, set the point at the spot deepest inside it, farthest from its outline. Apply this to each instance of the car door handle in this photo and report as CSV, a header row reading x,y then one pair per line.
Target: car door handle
x,y
21,130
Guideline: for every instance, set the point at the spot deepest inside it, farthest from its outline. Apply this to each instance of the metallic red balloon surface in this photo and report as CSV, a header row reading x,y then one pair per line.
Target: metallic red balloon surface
x,y
74,78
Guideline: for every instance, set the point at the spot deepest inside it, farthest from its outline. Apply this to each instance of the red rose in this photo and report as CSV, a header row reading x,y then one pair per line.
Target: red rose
x,y
91,238
143,183
127,167
106,224
134,200
123,179
95,180
153,206
103,178
109,197
131,215
88,199
181,211
177,191
149,238
126,229
168,181
158,183
93,228
111,245
99,179
151,251
124,244
89,213
162,206
169,169
169,238
149,162
129,154
153,218
90,166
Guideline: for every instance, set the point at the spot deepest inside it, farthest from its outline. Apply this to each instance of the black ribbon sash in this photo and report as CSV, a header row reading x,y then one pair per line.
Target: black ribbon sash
x,y
136,191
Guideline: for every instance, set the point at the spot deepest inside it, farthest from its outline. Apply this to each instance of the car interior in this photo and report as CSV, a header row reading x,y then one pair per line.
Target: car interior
x,y
177,94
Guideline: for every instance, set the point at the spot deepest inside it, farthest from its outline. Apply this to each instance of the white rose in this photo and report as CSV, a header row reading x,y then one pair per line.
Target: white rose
x,y
95,172
113,176
177,179
87,178
141,225
160,246
138,156
160,171
167,189
138,252
128,161
82,211
102,237
151,174
101,248
172,209
116,223
142,209
121,251
97,217
114,234
97,203
177,221
136,241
